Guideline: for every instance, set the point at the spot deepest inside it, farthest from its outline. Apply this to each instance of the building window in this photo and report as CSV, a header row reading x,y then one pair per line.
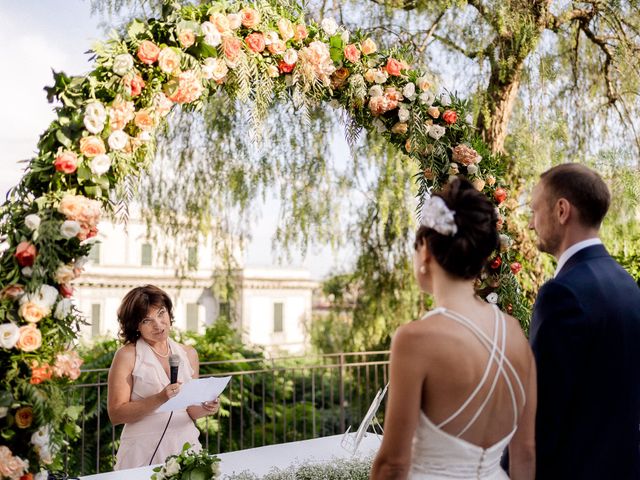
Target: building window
x,y
145,255
96,314
192,257
94,254
278,324
192,317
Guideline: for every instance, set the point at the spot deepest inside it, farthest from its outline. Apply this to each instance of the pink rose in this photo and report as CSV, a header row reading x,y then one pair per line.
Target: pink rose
x,y
186,38
67,364
92,146
148,52
352,53
66,162
249,17
393,67
231,46
255,42
465,155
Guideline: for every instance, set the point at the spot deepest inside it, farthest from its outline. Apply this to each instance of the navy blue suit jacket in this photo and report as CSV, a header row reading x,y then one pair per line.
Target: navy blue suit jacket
x,y
585,335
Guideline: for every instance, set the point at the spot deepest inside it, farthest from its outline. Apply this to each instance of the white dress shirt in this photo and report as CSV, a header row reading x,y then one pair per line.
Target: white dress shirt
x,y
573,249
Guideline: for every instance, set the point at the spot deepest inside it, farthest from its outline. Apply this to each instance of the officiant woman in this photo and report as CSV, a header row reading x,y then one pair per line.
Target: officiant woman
x,y
139,382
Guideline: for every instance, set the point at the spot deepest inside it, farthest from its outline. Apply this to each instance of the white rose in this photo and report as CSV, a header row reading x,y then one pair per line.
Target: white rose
x,y
64,273
144,136
100,164
63,309
214,69
45,455
445,100
329,25
403,114
80,262
93,125
45,297
273,71
472,169
423,83
69,228
27,272
427,98
380,76
118,140
409,91
235,21
211,34
505,242
42,475
3,411
492,298
172,467
345,36
32,221
436,131
122,64
96,111
376,91
9,335
270,37
290,57
40,438
454,169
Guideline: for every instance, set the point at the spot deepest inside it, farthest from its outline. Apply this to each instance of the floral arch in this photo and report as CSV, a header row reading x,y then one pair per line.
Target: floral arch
x,y
104,132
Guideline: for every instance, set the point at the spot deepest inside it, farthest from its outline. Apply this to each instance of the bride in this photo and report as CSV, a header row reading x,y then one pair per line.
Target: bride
x,y
462,379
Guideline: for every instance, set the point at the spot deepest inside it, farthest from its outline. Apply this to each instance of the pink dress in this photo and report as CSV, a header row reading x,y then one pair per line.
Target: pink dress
x,y
139,439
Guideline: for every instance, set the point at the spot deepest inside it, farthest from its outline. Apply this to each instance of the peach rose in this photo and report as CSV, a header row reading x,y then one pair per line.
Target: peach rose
x,y
429,174
92,146
255,42
220,21
491,180
186,88
24,417
478,184
465,155
11,467
393,94
12,292
40,373
65,273
169,60
25,254
32,312
450,117
121,112
370,75
400,128
378,105
393,67
30,338
339,77
352,53
300,32
144,120
434,112
277,47
231,46
162,104
66,162
148,52
368,47
285,27
249,17
186,38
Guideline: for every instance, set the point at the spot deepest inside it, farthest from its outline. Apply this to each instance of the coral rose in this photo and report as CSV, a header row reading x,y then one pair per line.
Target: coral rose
x,y
134,84
66,162
516,267
249,17
285,67
450,117
92,146
352,53
255,42
231,46
24,417
500,195
148,52
186,88
25,254
30,338
393,67
40,373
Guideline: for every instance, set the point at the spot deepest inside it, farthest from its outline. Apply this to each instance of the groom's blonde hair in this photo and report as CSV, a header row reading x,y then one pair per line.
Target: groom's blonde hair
x,y
581,187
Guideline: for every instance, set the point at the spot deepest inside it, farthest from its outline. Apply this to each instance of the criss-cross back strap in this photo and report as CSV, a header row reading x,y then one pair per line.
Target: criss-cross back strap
x,y
497,354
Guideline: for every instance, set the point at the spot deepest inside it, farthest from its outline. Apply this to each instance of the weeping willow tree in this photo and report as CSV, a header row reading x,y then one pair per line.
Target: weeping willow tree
x,y
551,81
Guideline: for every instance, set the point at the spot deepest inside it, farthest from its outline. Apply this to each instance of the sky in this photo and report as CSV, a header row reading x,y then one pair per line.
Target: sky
x,y
37,36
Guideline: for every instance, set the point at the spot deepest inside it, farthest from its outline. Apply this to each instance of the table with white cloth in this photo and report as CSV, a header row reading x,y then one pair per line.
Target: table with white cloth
x,y
259,461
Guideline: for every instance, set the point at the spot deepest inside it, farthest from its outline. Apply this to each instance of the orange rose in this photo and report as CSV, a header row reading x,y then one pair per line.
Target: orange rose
x,y
66,162
92,146
30,338
25,254
352,53
40,373
285,67
148,52
249,17
186,38
393,67
27,476
231,46
255,42
450,117
24,417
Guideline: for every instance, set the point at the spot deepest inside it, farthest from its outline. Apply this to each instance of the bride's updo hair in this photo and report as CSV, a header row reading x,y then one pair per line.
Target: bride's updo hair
x,y
465,253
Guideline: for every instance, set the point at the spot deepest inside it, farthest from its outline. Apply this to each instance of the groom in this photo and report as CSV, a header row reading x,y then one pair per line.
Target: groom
x,y
585,334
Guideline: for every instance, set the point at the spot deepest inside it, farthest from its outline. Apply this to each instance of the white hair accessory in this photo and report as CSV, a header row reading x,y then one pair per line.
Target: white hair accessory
x,y
437,216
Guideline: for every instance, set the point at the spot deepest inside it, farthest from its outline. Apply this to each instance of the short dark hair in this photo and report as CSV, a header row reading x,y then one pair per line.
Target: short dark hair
x,y
135,306
582,187
464,254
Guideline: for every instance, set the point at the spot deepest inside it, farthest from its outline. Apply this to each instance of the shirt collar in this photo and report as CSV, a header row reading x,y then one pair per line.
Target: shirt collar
x,y
572,250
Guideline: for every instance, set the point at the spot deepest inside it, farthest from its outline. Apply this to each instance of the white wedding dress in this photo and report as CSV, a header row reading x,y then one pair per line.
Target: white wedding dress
x,y
438,455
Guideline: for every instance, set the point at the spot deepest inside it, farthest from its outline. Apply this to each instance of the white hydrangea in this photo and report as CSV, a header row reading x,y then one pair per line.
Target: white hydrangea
x,y
63,308
376,91
172,467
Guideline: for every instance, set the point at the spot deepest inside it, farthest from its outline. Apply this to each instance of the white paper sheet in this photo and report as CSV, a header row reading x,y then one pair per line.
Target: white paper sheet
x,y
195,392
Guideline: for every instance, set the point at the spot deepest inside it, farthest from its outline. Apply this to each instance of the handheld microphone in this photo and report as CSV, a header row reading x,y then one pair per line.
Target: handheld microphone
x,y
174,362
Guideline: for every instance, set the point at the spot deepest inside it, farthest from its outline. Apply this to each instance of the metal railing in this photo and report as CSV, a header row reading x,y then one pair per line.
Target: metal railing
x,y
267,401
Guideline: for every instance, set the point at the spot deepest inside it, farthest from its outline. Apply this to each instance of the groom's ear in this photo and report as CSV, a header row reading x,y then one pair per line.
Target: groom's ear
x,y
563,211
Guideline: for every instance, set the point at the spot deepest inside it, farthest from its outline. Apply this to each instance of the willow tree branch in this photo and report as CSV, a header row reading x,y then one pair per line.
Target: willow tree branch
x,y
472,54
554,23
